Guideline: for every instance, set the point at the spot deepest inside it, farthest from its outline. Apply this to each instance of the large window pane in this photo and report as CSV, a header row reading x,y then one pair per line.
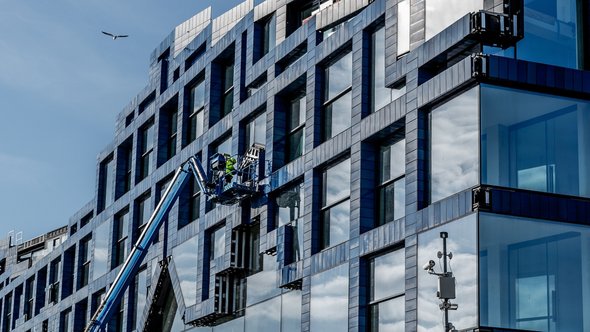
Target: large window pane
x,y
265,316
389,316
337,116
551,25
462,242
537,272
291,312
442,13
290,205
338,76
329,300
388,275
263,285
454,144
336,183
218,243
535,141
256,131
403,27
140,295
185,260
101,249
336,222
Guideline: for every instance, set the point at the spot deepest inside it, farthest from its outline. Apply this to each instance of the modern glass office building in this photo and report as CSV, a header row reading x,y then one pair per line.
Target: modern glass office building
x,y
384,123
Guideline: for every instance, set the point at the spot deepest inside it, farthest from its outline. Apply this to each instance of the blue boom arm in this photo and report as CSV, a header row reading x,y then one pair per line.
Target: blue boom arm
x,y
140,249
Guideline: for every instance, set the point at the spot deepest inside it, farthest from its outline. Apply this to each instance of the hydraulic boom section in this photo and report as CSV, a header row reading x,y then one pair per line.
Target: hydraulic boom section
x,y
229,186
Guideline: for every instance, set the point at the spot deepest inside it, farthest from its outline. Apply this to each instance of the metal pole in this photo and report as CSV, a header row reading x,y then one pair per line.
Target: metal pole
x,y
444,236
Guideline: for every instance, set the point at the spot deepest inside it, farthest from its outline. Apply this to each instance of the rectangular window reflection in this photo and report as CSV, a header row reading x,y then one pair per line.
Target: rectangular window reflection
x,y
265,316
462,242
227,101
196,112
120,235
337,97
335,211
289,211
296,128
217,242
551,25
453,10
454,148
392,184
107,176
143,212
537,272
256,131
185,261
387,306
403,27
380,94
146,150
141,290
535,141
101,250
329,300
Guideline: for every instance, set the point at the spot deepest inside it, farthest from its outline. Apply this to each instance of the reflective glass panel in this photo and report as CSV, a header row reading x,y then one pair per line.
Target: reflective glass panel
x,y
403,27
108,181
393,160
338,116
263,285
198,96
185,261
329,300
535,141
224,147
291,312
462,242
236,325
381,95
265,316
537,271
388,275
389,316
551,32
336,182
140,295
290,205
338,76
218,243
336,222
442,13
454,148
256,131
101,249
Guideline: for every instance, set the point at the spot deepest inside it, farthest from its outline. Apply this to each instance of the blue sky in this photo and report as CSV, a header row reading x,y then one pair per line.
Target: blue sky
x,y
62,84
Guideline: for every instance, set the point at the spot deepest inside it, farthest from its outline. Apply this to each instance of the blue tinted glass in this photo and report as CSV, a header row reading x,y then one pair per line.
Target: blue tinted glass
x,y
338,115
442,13
236,325
185,261
462,242
535,141
101,249
290,205
537,272
140,295
329,300
550,32
454,145
389,316
337,224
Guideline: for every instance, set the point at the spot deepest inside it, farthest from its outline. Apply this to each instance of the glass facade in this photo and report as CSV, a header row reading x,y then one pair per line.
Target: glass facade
x,y
551,25
454,124
387,301
196,112
329,300
392,183
107,173
143,210
121,233
227,101
380,94
141,292
533,274
146,150
289,211
265,316
535,141
263,285
217,242
442,13
337,97
403,27
101,250
256,131
185,261
335,212
295,128
462,242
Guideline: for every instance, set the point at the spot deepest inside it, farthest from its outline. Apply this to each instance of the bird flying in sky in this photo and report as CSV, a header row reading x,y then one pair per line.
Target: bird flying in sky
x,y
114,36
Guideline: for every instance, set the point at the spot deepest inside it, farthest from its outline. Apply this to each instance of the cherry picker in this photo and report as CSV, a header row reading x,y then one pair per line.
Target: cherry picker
x,y
230,181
